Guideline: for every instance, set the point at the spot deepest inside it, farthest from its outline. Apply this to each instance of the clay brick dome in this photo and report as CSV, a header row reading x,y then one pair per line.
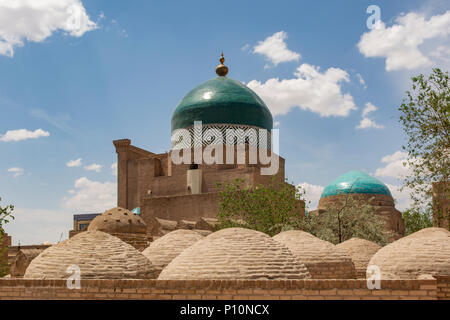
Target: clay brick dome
x,y
425,252
361,251
97,254
118,220
235,253
163,250
322,258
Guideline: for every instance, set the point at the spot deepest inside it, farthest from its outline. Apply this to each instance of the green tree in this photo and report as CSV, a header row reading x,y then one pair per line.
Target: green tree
x,y
417,219
425,117
270,208
343,221
5,217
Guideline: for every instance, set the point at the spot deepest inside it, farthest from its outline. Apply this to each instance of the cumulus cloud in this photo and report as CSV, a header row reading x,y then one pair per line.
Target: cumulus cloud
x,y
91,196
366,122
94,167
74,163
394,167
114,169
312,193
401,44
396,171
402,199
35,21
312,90
23,134
275,50
17,171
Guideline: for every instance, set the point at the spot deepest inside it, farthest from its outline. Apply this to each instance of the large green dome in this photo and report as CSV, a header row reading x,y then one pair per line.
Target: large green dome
x,y
355,182
222,101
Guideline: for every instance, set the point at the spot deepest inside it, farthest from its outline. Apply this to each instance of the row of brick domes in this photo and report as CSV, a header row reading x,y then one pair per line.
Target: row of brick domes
x,y
238,253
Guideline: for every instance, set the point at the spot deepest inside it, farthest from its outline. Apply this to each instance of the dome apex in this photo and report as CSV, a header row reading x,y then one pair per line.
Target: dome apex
x,y
221,69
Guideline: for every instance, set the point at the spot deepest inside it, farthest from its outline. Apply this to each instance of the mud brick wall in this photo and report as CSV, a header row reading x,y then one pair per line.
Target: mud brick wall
x,y
443,288
223,289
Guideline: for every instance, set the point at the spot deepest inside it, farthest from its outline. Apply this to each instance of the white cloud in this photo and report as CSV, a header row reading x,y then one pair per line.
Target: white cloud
x,y
401,43
394,166
361,80
245,47
312,193
94,167
23,134
36,20
398,155
91,196
275,49
17,171
402,198
366,122
74,163
114,169
310,90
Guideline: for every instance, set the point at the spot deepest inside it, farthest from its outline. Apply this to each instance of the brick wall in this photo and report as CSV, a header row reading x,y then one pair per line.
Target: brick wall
x,y
188,207
443,288
220,289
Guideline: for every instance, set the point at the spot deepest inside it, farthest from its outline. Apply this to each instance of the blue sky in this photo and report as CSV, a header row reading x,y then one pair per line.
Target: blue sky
x,y
72,88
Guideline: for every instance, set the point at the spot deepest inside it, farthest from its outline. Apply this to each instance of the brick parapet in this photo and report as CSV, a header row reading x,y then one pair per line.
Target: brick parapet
x,y
222,289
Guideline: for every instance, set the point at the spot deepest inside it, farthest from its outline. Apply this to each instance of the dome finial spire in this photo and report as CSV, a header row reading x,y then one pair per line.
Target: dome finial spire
x,y
222,69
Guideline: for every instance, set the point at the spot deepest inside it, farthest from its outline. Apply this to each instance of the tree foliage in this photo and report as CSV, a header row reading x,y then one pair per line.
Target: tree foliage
x,y
417,219
343,221
268,208
425,117
274,208
5,217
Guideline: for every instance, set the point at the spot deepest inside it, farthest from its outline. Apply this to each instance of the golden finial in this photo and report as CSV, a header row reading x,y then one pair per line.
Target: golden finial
x,y
222,69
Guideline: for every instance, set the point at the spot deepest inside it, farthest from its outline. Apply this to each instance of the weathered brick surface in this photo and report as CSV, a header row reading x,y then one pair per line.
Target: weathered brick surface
x,y
235,253
424,252
361,251
221,289
97,254
163,250
443,288
322,258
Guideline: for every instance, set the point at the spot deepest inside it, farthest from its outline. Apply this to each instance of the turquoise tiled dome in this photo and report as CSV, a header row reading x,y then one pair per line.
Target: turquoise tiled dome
x,y
355,182
222,101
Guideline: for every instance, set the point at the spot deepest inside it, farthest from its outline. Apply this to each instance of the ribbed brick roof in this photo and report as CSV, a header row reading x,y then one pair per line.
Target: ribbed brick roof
x,y
97,254
235,253
424,252
322,258
361,251
163,250
118,220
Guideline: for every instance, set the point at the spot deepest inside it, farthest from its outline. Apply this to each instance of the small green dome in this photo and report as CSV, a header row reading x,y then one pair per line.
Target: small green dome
x,y
355,182
222,101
